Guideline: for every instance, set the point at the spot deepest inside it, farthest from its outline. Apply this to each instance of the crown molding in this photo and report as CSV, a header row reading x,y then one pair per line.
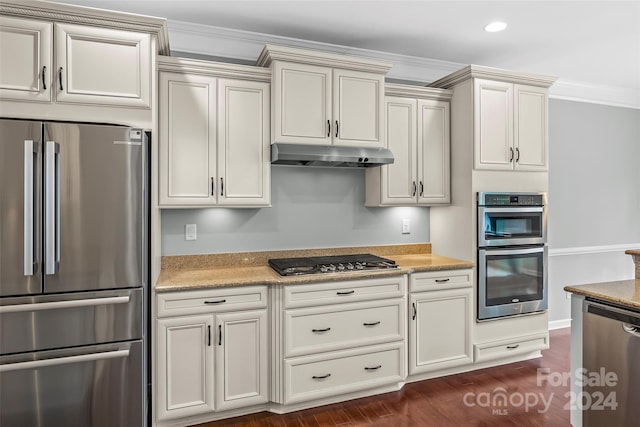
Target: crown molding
x,y
58,12
246,45
419,92
214,69
481,72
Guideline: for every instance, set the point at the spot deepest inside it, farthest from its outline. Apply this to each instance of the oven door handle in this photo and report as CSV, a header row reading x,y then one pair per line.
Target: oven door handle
x,y
514,251
511,209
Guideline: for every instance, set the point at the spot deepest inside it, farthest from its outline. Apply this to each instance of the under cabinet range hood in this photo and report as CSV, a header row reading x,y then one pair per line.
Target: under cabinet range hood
x,y
329,155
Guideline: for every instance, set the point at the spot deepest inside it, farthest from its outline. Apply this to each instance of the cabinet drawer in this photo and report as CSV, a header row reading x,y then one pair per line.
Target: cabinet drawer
x,y
439,280
342,372
317,329
505,348
213,300
344,291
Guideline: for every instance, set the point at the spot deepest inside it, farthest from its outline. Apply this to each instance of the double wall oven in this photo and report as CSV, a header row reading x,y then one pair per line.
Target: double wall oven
x,y
512,254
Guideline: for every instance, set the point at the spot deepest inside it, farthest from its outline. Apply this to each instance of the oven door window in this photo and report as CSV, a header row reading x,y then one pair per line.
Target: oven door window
x,y
514,278
507,227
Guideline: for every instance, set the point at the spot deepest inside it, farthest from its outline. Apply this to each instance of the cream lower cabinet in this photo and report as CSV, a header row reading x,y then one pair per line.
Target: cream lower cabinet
x,y
213,361
418,136
214,136
337,338
440,320
78,64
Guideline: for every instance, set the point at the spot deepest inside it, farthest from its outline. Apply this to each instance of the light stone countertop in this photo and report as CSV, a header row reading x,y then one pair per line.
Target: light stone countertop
x,y
625,293
185,273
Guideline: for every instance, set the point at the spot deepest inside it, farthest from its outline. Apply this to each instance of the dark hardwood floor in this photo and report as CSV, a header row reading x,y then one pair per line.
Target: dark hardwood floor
x,y
475,399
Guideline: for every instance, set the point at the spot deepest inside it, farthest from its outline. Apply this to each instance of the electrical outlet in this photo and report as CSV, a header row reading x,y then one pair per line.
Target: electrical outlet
x,y
406,226
190,232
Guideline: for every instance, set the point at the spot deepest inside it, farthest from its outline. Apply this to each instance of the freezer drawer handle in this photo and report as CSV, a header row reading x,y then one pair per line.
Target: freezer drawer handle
x,y
28,220
35,364
54,305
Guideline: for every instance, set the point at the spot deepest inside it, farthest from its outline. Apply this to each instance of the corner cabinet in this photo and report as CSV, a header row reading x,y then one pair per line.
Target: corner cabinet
x,y
322,98
214,135
212,351
417,126
510,117
440,320
77,64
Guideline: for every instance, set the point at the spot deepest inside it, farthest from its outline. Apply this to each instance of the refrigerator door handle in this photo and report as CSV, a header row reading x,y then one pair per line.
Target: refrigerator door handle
x,y
52,208
35,364
54,305
30,149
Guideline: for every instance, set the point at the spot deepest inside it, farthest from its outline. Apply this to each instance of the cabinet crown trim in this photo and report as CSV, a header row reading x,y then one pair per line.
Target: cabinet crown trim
x,y
213,69
419,92
44,10
477,71
272,53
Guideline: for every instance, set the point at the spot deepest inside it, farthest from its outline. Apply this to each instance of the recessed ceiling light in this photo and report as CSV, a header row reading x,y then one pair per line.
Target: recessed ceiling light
x,y
494,27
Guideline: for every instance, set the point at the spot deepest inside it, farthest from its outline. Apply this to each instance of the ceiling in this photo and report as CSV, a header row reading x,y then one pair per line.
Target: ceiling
x,y
593,42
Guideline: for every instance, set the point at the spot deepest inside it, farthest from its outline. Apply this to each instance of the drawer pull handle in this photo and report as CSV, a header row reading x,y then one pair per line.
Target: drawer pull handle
x,y
60,78
220,301
442,280
375,368
321,330
219,334
321,377
44,77
346,292
371,324
415,311
209,335
513,347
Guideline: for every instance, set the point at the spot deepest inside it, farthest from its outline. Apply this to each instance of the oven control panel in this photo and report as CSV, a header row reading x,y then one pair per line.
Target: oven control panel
x,y
510,199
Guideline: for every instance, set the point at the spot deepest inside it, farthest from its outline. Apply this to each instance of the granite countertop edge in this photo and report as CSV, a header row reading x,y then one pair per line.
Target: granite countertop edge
x,y
186,279
624,293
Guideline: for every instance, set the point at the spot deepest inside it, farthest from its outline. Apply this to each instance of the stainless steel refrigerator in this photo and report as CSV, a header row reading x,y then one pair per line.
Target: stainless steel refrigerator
x,y
73,275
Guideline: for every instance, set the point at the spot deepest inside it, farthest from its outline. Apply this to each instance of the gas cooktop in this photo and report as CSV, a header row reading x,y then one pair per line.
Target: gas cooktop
x,y
330,264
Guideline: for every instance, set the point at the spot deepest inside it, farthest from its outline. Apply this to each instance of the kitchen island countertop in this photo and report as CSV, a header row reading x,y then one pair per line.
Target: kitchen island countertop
x,y
199,272
625,293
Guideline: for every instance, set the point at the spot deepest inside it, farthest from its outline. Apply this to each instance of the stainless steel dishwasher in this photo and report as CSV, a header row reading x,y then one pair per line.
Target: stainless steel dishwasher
x,y
611,362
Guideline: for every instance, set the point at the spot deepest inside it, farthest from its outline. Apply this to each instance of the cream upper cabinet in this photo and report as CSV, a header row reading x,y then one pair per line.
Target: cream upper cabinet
x,y
75,63
509,113
102,66
214,137
25,59
511,126
417,133
322,98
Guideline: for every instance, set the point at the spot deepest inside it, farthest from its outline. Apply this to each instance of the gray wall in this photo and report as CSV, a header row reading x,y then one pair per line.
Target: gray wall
x,y
594,197
594,175
311,208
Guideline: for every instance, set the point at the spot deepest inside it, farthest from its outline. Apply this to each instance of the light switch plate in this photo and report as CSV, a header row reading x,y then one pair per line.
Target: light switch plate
x,y
406,226
190,232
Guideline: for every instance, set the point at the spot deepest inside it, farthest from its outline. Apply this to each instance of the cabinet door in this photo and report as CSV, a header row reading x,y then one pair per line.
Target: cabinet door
x,y
493,123
433,152
241,359
530,128
185,366
244,163
399,179
440,330
302,107
358,108
102,66
187,123
25,59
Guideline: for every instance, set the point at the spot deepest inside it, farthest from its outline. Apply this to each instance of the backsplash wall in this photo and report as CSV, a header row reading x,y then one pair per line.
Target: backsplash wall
x,y
311,208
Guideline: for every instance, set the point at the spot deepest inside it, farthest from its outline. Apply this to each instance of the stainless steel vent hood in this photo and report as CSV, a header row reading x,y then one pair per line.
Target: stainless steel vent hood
x,y
329,155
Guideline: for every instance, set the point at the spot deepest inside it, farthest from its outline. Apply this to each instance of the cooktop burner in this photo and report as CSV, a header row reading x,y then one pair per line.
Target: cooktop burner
x,y
330,264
